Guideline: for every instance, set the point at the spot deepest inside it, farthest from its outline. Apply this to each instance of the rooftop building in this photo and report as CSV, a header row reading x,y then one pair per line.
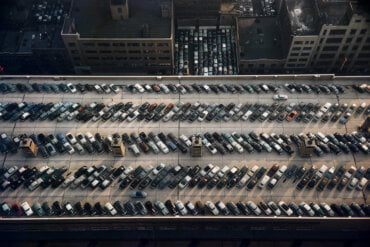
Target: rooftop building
x,y
303,17
93,19
120,36
259,38
30,41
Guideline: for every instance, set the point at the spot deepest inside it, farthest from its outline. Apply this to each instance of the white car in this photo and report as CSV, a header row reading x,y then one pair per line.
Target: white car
x,y
252,206
68,181
284,207
185,140
106,88
274,208
108,206
280,97
362,184
307,209
139,88
184,182
133,116
27,209
212,208
164,88
158,168
180,206
72,88
71,138
114,88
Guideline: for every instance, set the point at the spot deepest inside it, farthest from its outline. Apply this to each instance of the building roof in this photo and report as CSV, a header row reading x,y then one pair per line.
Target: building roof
x,y
303,17
93,20
259,38
334,13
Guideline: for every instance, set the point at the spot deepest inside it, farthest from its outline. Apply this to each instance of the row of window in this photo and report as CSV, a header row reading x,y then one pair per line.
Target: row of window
x,y
298,42
106,44
129,51
343,31
127,58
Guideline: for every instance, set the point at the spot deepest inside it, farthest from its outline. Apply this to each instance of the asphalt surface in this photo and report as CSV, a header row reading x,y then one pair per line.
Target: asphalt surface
x,y
283,191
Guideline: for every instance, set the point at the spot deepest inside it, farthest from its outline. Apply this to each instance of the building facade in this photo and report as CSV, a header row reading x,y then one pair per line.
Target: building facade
x,y
122,45
316,36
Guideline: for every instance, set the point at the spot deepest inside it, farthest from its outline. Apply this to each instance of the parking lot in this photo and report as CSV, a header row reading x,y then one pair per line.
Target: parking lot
x,y
283,191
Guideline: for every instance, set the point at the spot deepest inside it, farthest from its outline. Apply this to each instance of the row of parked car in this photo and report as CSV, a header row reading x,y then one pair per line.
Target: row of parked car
x,y
168,176
200,112
199,208
216,143
175,88
205,52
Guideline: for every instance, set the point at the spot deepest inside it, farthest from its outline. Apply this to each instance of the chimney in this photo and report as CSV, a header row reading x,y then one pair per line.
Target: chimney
x,y
119,9
166,9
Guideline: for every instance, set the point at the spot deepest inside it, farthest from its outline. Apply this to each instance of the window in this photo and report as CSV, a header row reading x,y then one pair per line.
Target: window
x,y
303,60
262,65
273,65
135,58
305,54
294,54
330,48
133,44
306,42
72,44
360,63
164,58
311,42
104,44
88,44
74,51
121,51
368,40
134,52
106,58
337,32
358,40
321,40
326,56
166,51
364,55
333,40
292,60
323,63
355,47
307,48
298,42
358,20
93,58
105,51
250,65
348,40
296,48
119,44
345,48
301,65
353,31
291,65
76,58
121,58
91,51
325,31
366,48
162,44
363,31
119,10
